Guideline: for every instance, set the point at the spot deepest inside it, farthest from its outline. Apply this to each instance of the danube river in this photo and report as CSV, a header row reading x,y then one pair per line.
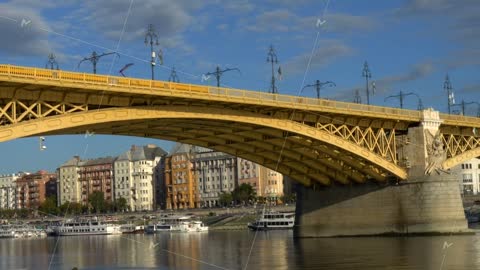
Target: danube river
x,y
231,249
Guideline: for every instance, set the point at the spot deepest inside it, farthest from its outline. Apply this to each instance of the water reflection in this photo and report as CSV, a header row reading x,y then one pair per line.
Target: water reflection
x,y
230,250
388,253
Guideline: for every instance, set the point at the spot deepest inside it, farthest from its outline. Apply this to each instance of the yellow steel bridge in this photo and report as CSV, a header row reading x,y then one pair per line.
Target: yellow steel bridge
x,y
310,140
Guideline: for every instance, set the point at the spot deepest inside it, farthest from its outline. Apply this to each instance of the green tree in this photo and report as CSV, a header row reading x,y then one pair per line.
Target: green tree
x,y
121,204
244,193
225,199
97,201
261,199
49,206
71,208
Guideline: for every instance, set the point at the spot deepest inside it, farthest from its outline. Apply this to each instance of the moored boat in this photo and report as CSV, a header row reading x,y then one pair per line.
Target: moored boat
x,y
6,231
193,226
88,227
21,231
168,223
270,220
131,228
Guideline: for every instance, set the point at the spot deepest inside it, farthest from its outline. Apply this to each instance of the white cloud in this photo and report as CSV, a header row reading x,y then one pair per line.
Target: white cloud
x,y
284,20
29,40
322,56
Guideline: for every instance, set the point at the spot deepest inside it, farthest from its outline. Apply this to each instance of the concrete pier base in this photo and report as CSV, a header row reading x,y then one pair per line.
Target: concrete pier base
x,y
428,204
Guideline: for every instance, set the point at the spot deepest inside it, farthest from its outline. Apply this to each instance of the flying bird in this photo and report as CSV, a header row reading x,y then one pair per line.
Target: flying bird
x,y
125,68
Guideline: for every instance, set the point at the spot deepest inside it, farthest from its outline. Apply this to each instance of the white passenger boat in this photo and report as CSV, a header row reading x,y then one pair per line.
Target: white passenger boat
x,y
21,231
131,228
193,226
270,220
89,227
6,231
174,223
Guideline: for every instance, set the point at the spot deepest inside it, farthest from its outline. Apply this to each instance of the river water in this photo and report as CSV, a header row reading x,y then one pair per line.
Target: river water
x,y
231,249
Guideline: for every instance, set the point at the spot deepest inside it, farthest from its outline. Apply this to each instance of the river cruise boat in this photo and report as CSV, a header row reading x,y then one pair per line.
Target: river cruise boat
x,y
169,223
193,226
6,231
89,227
21,231
131,228
270,220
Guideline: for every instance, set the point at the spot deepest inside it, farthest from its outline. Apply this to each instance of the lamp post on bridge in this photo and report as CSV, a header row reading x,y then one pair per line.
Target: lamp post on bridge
x,y
368,75
401,97
447,85
357,99
151,38
51,62
272,58
173,76
318,85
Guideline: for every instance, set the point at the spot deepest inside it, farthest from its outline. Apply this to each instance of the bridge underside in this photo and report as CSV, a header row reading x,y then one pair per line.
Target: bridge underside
x,y
303,159
307,155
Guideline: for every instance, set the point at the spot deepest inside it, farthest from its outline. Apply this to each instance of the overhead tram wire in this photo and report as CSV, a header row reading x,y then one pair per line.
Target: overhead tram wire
x,y
318,85
218,73
401,96
94,58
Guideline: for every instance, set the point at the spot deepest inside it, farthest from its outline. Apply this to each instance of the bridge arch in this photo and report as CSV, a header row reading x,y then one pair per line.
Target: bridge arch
x,y
304,153
460,158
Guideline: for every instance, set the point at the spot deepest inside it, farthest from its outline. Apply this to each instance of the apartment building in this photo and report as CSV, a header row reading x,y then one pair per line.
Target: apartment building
x,y
215,172
180,183
469,173
96,175
137,176
68,181
31,190
7,190
265,182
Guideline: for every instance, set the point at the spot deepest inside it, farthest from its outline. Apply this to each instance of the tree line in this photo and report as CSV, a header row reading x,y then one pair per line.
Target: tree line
x,y
244,194
96,205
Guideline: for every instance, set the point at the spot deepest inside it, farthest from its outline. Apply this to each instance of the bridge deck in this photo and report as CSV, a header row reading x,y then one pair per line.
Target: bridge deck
x,y
123,85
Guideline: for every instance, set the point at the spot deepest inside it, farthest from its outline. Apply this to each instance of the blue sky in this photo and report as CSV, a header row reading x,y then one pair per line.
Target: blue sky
x,y
409,45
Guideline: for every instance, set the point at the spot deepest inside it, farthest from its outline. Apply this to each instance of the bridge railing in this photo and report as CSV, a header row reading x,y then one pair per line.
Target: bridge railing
x,y
149,86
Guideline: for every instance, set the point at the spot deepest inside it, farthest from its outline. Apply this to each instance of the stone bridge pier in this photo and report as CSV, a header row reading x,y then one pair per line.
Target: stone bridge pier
x,y
428,202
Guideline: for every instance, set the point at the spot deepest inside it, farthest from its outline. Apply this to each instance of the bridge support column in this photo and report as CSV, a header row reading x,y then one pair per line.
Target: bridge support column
x,y
421,204
431,204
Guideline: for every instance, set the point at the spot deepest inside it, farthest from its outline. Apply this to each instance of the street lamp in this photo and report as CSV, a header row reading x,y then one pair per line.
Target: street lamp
x,y
272,58
447,85
152,38
51,62
368,75
318,85
173,76
357,99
